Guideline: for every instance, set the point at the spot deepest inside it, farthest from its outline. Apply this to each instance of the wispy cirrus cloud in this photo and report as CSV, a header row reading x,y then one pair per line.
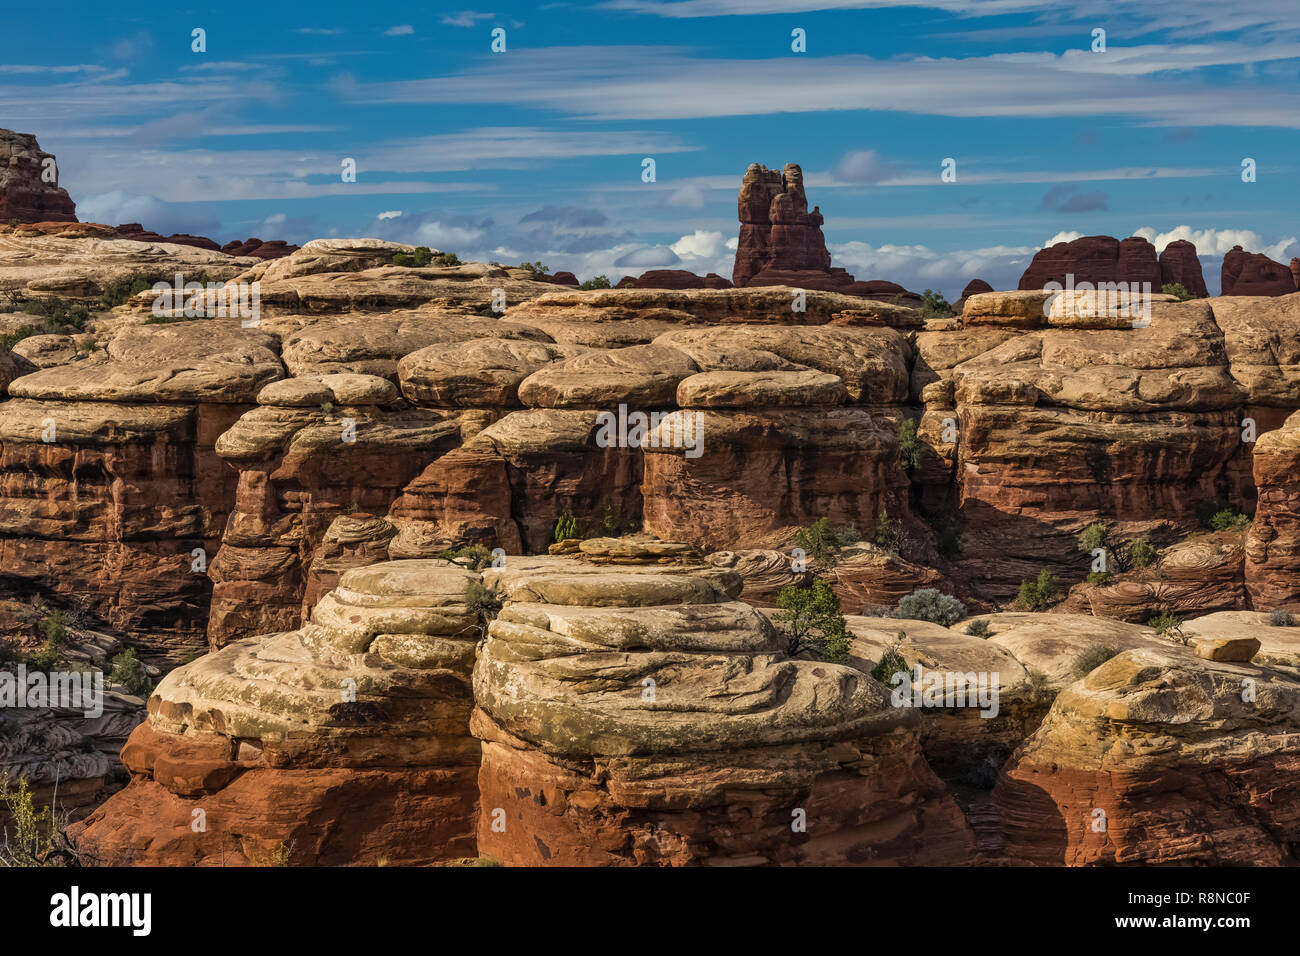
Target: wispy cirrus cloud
x,y
614,83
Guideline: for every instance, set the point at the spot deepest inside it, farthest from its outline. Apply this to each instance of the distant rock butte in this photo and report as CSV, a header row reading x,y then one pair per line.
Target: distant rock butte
x,y
1095,259
26,190
1253,273
781,242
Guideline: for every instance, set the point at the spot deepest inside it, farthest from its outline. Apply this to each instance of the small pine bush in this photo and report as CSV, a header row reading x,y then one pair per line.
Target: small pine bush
x,y
1142,553
909,446
565,527
1040,594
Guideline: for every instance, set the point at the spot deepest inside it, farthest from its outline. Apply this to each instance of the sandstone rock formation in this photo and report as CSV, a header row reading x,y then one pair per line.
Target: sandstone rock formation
x,y
1273,544
112,490
1157,757
314,448
1253,273
29,187
344,742
1094,259
649,720
776,229
1179,264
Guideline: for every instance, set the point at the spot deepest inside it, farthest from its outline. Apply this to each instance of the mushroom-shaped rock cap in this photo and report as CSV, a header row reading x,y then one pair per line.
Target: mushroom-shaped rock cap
x,y
343,388
643,376
760,389
207,360
571,680
480,373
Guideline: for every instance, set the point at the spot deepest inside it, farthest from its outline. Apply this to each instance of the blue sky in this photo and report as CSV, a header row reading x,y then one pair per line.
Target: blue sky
x,y
536,153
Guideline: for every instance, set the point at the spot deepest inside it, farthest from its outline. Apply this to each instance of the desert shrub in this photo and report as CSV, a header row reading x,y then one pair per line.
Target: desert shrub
x,y
823,543
31,837
888,533
810,620
54,627
1178,290
130,673
1040,685
947,539
1092,537
1167,625
118,291
1091,659
909,446
1098,577
565,527
930,604
446,259
1217,516
979,629
484,602
595,282
476,557
536,268
1281,618
57,311
1040,594
934,305
1142,553
421,256
891,662
611,523
9,339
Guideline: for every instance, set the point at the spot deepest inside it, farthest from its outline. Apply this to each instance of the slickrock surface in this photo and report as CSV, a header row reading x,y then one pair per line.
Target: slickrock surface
x,y
1158,757
27,192
73,260
356,275
68,755
647,719
1278,646
374,344
344,742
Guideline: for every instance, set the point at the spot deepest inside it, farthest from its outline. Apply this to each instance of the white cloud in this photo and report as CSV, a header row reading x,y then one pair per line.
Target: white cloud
x,y
699,245
401,30
447,236
918,267
1063,237
1216,242
465,18
390,214
689,196
649,82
